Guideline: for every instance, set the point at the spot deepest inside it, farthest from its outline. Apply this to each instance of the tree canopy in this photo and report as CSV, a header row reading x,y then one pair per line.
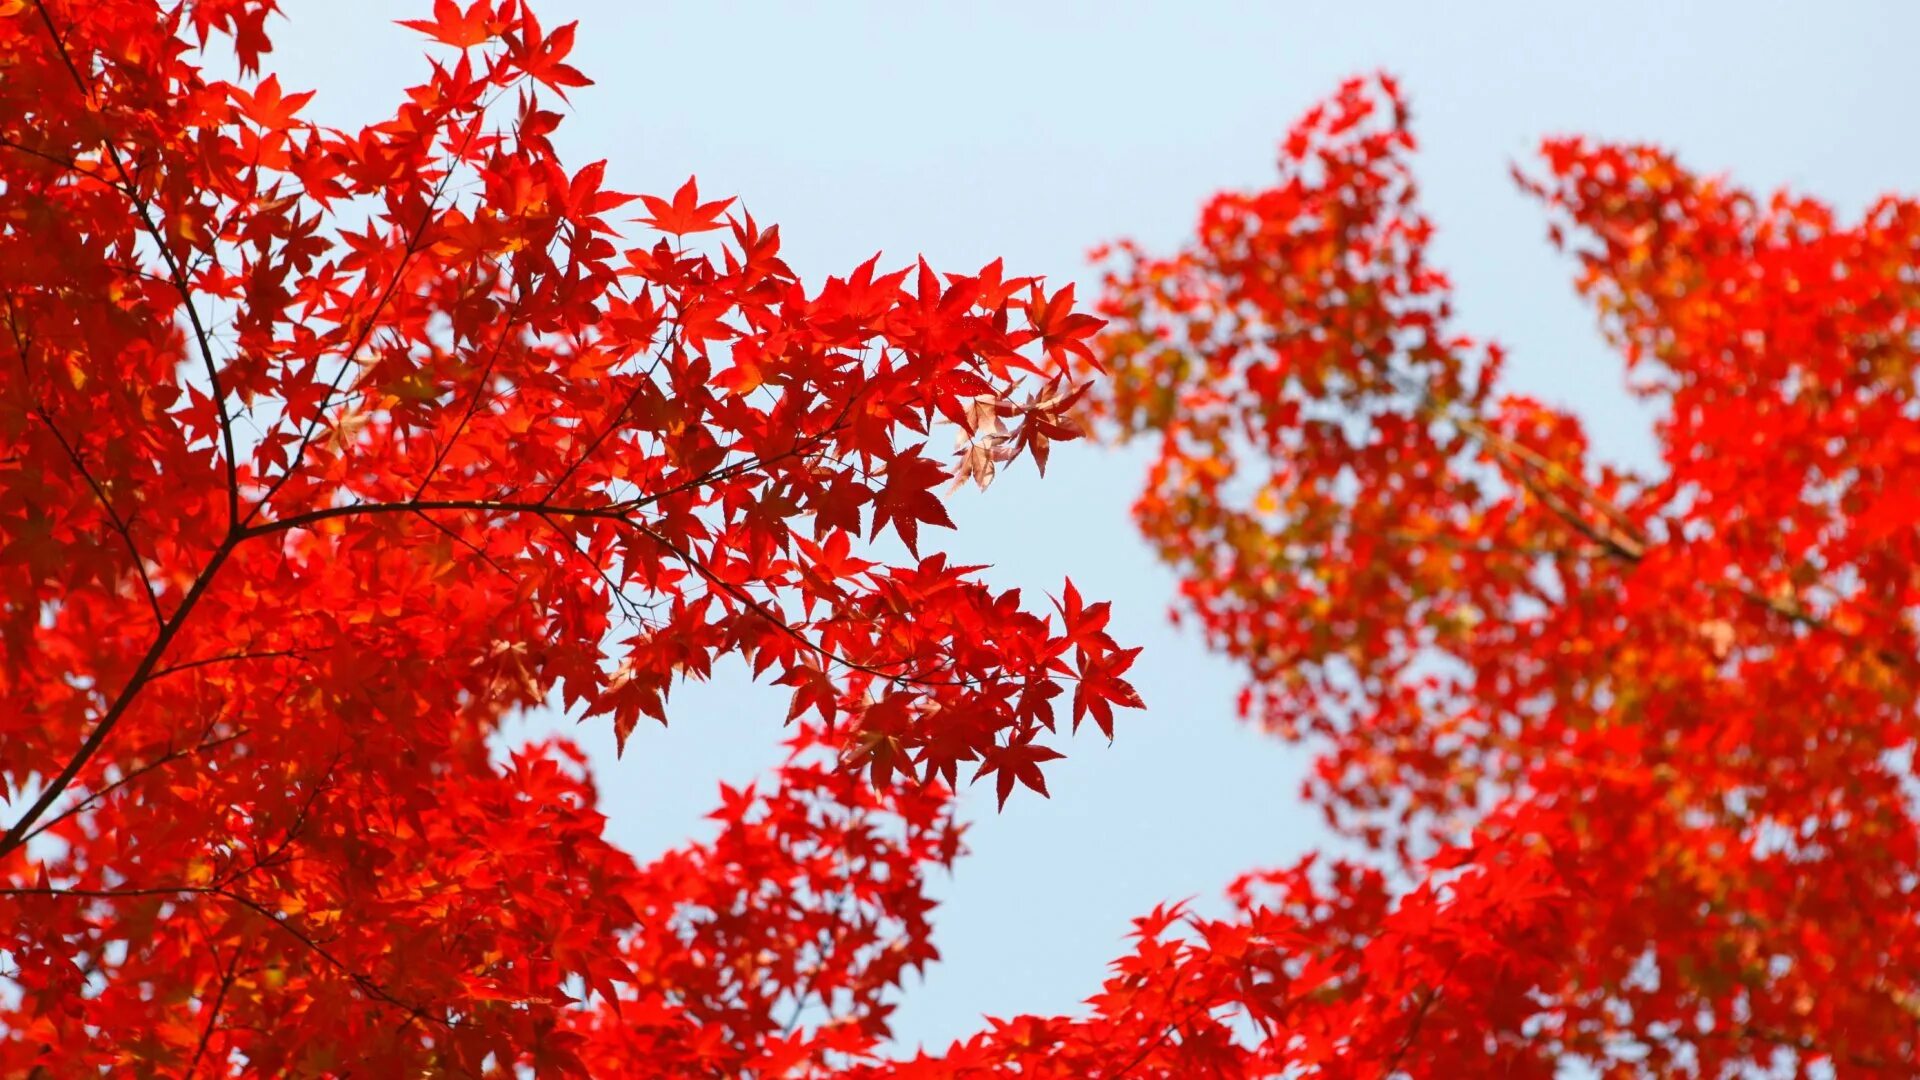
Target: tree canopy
x,y
322,452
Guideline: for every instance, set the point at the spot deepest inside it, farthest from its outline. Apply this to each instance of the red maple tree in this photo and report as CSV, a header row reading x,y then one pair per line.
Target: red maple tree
x,y
324,451
1635,752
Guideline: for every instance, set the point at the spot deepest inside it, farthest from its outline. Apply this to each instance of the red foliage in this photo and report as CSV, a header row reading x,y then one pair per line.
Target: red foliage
x,y
1643,744
324,451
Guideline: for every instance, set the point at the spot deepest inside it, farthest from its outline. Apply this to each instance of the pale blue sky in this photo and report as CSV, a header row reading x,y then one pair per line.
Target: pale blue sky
x,y
1032,131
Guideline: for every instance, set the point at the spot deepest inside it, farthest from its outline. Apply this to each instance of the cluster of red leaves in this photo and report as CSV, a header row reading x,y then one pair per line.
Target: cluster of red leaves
x,y
1644,743
769,951
322,451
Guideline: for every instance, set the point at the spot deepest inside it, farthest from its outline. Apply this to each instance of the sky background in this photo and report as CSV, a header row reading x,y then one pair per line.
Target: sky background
x,y
1032,131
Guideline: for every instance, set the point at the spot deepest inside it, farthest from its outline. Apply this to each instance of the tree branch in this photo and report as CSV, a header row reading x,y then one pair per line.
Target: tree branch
x,y
360,339
213,1015
174,269
129,777
142,672
365,983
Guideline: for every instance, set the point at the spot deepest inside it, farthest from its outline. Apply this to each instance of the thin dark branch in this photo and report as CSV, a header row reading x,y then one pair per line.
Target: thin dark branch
x,y
614,592
351,356
835,933
365,983
1166,1034
1413,1028
230,658
213,1014
758,608
120,525
131,775
609,512
473,404
74,167
177,272
621,513
16,835
613,425
478,551
1539,475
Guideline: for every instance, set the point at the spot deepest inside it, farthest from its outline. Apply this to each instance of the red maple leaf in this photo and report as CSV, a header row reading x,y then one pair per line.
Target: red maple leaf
x,y
451,26
686,213
908,498
1018,761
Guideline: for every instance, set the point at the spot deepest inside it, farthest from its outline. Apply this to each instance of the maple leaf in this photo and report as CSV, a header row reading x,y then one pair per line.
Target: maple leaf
x,y
686,213
1085,624
837,506
907,498
265,105
813,690
983,441
977,463
540,55
1018,761
1063,332
451,26
629,694
1100,687
1045,422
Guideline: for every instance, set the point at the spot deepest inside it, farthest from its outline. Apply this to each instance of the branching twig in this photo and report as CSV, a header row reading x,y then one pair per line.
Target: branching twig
x,y
213,1014
174,269
131,775
365,983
